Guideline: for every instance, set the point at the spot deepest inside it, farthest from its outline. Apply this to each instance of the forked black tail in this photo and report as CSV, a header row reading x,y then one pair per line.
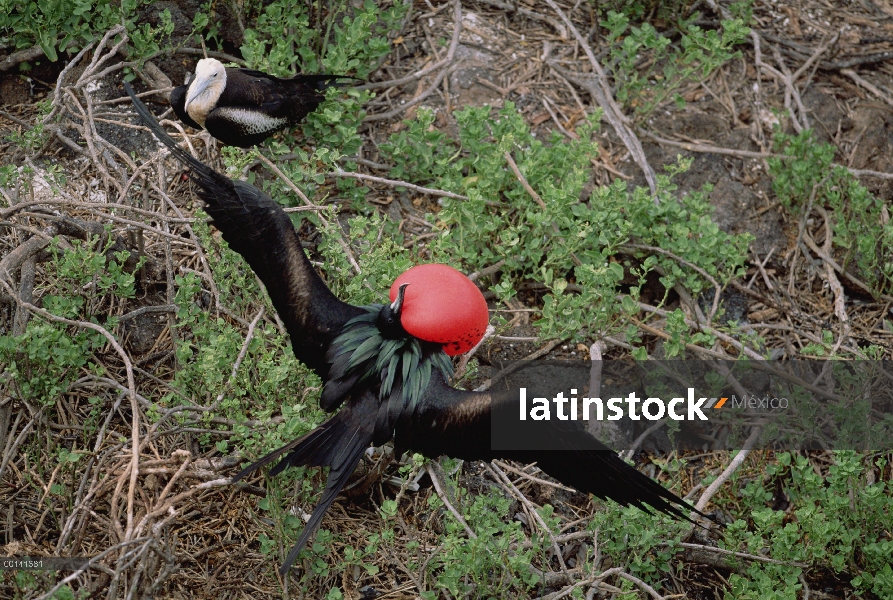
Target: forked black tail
x,y
339,444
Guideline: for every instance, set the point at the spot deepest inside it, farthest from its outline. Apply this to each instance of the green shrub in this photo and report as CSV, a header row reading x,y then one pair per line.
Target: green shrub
x,y
570,241
697,54
804,176
55,25
47,358
837,521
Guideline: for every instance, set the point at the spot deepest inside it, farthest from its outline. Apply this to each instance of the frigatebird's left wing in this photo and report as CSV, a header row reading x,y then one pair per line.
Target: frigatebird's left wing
x,y
256,227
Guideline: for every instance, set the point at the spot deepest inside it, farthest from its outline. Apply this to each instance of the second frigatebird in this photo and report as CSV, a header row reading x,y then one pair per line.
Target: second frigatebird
x,y
438,420
243,107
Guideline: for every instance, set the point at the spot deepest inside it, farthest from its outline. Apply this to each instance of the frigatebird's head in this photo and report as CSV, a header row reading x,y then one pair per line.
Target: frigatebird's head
x,y
388,320
205,89
398,345
442,305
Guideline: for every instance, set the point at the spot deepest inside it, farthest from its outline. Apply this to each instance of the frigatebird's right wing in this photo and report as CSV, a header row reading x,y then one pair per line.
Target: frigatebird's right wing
x,y
256,227
457,423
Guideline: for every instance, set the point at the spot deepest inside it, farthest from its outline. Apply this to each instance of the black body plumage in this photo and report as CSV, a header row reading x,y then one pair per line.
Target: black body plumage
x,y
254,105
438,420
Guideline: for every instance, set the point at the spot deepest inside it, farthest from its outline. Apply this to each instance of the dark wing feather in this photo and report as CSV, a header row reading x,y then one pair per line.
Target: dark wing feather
x,y
338,476
178,103
256,227
292,99
457,423
234,130
335,390
242,130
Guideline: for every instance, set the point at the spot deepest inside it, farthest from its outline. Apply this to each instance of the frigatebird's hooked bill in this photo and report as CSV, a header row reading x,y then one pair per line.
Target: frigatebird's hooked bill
x,y
407,399
243,107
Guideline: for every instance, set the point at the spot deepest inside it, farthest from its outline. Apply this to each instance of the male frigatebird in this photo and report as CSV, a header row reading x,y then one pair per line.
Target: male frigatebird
x,y
438,420
243,107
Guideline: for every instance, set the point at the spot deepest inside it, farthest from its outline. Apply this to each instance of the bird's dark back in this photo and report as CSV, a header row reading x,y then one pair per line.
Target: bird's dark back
x,y
292,99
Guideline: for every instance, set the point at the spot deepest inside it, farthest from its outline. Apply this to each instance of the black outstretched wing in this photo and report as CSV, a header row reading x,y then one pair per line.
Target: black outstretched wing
x,y
178,103
458,424
256,227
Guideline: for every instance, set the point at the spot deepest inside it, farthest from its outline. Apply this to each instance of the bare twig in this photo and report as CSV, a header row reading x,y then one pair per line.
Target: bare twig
x,y
235,370
530,14
608,432
463,360
20,56
396,183
807,239
92,563
647,588
447,60
494,268
634,447
529,477
415,101
867,85
716,287
742,454
523,180
438,487
744,555
499,475
599,87
707,148
536,198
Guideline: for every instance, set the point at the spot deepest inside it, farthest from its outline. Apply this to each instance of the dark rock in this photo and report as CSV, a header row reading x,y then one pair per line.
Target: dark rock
x,y
826,117
476,64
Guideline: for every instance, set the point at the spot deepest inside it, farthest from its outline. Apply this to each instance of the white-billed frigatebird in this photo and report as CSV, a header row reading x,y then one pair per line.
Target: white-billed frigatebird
x,y
243,107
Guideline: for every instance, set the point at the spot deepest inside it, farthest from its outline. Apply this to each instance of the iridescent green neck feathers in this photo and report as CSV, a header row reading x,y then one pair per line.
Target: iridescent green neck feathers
x,y
401,363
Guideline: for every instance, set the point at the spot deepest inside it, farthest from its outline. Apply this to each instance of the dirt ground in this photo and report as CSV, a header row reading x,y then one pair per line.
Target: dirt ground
x,y
822,65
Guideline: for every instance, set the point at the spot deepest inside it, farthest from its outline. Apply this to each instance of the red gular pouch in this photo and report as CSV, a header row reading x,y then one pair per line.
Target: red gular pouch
x,y
442,305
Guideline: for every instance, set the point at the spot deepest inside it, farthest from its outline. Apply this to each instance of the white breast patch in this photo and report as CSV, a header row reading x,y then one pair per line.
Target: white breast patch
x,y
251,121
